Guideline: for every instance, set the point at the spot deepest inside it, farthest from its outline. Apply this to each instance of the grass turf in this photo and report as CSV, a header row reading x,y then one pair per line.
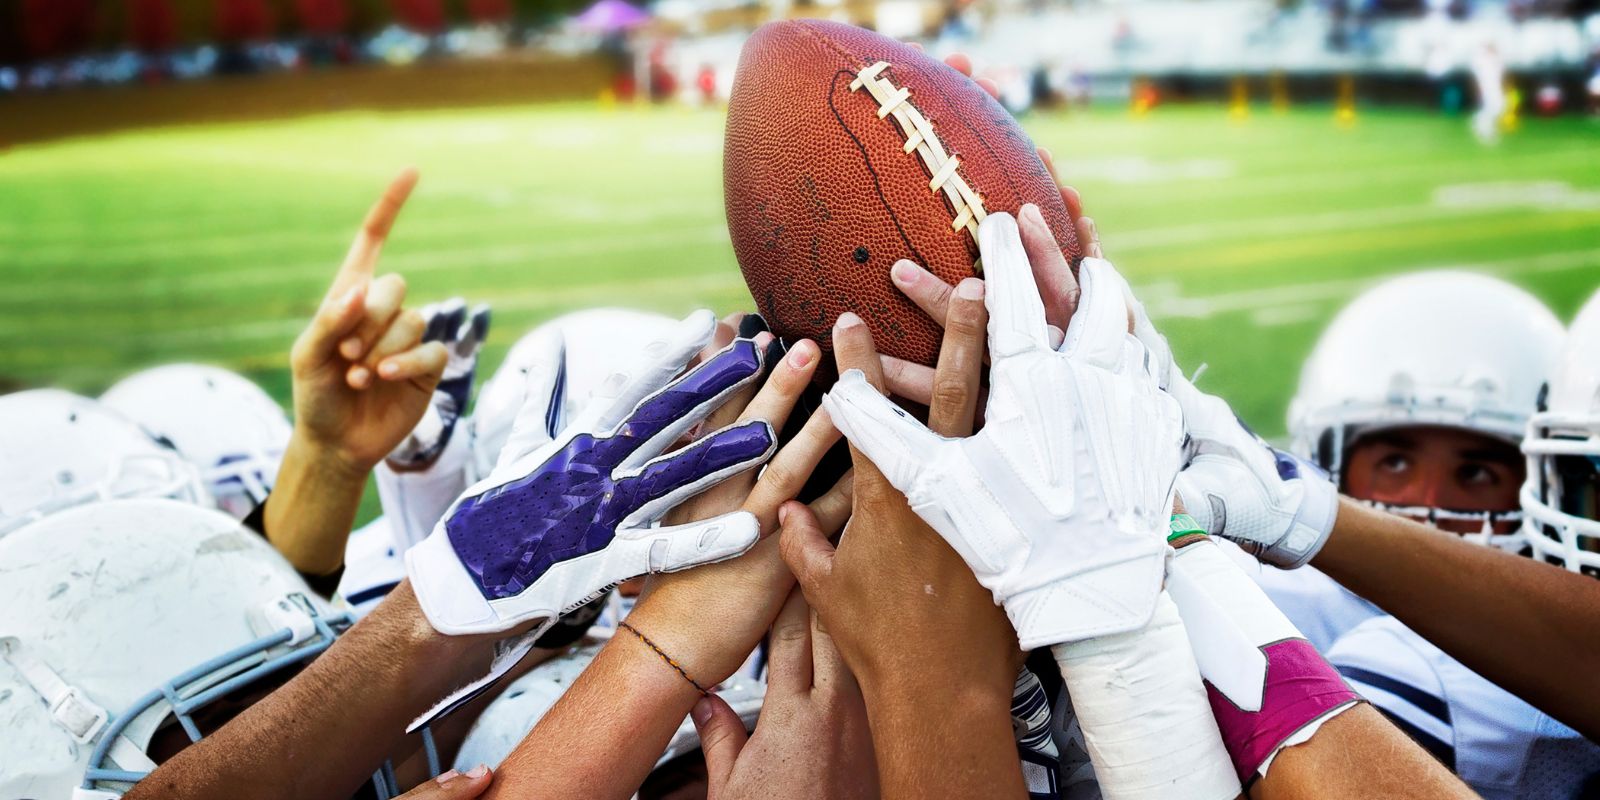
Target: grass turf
x,y
214,243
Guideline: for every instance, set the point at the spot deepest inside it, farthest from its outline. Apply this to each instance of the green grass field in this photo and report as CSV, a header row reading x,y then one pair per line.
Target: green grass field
x,y
1243,237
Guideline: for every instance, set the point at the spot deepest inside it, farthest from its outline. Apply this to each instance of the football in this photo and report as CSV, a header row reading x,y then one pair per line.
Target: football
x,y
846,151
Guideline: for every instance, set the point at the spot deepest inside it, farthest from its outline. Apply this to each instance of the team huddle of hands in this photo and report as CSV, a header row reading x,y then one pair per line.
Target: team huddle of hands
x,y
923,574
1028,509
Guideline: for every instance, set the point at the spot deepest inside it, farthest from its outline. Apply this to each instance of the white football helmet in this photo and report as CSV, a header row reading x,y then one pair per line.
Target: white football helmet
x,y
122,621
230,429
523,703
1562,494
1445,348
597,342
59,450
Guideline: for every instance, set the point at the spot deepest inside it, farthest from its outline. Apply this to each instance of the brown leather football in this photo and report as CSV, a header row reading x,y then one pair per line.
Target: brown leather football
x,y
847,151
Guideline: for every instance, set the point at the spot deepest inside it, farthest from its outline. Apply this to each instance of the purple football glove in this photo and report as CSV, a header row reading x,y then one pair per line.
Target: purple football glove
x,y
568,511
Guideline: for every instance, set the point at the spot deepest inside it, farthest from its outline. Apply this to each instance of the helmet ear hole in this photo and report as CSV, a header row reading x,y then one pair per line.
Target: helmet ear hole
x,y
1324,453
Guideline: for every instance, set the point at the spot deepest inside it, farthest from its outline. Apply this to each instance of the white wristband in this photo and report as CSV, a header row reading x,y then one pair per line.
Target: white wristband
x,y
1144,713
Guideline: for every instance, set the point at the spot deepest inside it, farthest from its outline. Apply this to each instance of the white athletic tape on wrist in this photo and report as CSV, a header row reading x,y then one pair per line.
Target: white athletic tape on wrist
x,y
1145,715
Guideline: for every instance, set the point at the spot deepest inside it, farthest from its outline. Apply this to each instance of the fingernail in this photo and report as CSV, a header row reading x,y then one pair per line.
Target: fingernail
x,y
763,339
446,777
847,320
349,297
783,513
801,355
1030,212
701,711
359,376
904,273
970,289
1046,156
351,347
388,369
1056,336
478,771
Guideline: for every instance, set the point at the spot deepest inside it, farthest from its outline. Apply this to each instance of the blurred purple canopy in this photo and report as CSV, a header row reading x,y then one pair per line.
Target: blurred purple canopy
x,y
611,15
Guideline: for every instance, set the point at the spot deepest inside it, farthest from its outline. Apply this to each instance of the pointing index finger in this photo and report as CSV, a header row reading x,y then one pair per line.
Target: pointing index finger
x,y
362,257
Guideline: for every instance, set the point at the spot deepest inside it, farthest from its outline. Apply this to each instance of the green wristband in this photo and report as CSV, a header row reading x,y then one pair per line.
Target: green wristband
x,y
1183,525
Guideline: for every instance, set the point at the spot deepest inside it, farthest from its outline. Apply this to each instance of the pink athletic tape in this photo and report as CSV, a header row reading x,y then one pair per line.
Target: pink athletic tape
x,y
1300,688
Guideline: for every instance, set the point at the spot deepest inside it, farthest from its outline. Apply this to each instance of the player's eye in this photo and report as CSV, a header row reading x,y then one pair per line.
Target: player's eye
x,y
1477,475
1395,463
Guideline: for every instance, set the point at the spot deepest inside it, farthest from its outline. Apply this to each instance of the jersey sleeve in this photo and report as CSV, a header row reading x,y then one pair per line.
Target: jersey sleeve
x,y
1382,663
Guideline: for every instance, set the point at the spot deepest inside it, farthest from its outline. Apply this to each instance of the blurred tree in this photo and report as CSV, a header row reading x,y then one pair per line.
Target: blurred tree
x,y
322,17
422,16
152,25
242,20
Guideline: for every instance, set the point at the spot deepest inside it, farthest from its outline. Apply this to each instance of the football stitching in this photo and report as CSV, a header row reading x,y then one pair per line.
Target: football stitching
x,y
866,160
924,141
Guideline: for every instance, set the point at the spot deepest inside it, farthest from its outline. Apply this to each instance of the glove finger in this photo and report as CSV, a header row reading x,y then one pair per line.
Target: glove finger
x,y
671,479
539,417
898,445
658,363
445,323
477,325
1016,314
672,548
667,414
1099,330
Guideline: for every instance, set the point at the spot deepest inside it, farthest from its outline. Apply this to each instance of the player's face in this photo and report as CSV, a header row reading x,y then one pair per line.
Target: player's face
x,y
1436,467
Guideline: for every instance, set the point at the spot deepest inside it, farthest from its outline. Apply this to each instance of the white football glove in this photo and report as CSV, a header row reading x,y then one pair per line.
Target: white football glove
x,y
1272,504
1060,504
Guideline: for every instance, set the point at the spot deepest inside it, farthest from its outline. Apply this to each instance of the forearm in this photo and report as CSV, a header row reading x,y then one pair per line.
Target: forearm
x,y
1524,615
313,506
335,722
1358,754
608,729
932,739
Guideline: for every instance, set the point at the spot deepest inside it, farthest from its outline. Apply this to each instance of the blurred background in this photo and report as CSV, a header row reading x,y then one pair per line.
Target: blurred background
x,y
180,178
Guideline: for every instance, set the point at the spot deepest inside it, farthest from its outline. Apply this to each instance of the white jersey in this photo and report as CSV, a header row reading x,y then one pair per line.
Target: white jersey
x,y
1317,605
373,565
1501,746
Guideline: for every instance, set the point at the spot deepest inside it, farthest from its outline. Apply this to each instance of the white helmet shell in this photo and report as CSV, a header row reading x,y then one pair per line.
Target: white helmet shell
x,y
109,606
1561,497
1446,348
598,341
59,450
225,425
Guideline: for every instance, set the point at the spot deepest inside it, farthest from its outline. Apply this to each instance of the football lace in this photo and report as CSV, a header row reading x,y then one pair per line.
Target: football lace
x,y
922,140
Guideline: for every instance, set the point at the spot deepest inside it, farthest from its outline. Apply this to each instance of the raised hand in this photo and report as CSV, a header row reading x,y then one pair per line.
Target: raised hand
x,y
512,548
1059,505
362,376
462,333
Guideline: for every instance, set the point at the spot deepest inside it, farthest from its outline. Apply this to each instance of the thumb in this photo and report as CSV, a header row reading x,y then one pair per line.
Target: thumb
x,y
806,550
453,785
722,737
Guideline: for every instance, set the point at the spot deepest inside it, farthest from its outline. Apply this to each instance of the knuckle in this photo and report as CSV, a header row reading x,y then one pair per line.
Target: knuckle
x,y
950,392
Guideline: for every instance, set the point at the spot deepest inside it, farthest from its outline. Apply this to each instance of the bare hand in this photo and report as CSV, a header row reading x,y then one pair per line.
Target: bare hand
x,y
813,740
893,593
362,378
712,617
